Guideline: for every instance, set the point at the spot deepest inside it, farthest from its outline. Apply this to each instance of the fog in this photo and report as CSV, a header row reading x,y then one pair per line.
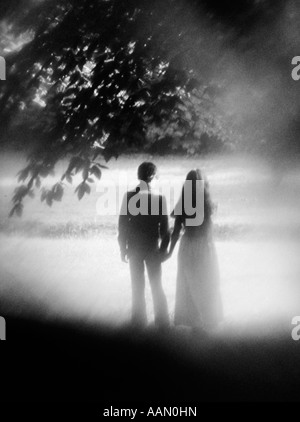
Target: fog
x,y
248,56
63,262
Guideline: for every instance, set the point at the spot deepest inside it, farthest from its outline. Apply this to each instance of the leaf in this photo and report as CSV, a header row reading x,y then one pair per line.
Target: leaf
x,y
76,164
101,166
44,171
38,182
57,192
87,188
44,195
20,192
17,209
49,199
69,178
85,173
23,174
96,172
80,191
98,151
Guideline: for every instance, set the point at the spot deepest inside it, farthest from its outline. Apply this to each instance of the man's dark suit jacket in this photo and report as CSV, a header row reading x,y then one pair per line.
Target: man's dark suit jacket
x,y
139,233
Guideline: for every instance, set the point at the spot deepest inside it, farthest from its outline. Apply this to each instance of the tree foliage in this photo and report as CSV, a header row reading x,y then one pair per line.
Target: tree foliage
x,y
92,79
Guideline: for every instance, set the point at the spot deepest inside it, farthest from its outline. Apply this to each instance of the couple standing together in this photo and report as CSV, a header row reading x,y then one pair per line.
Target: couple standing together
x,y
145,241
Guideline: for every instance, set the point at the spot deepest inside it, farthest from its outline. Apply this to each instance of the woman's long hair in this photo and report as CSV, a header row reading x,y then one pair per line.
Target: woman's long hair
x,y
193,176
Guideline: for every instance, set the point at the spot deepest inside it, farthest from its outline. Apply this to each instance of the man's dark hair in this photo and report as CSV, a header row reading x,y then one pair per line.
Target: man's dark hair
x,y
147,171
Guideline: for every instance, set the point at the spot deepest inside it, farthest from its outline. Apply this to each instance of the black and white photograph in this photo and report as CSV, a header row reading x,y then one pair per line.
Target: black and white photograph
x,y
149,205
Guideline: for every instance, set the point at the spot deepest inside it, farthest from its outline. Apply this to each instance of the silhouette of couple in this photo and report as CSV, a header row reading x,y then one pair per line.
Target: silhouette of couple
x,y
145,241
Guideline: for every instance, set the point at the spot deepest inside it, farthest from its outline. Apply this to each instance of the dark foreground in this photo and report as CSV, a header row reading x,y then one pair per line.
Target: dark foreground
x,y
55,362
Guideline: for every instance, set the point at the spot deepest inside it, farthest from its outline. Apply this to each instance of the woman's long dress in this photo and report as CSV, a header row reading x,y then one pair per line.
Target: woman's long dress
x,y
198,300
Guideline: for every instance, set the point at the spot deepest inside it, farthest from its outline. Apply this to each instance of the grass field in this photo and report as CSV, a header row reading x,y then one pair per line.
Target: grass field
x,y
63,262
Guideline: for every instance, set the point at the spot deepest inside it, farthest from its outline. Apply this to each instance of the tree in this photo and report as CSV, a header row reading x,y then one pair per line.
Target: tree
x,y
91,79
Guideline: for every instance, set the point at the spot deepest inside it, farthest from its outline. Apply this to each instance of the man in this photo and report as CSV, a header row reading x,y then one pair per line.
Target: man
x,y
143,239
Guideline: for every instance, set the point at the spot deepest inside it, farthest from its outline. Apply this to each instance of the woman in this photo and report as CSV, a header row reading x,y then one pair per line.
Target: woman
x,y
198,301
